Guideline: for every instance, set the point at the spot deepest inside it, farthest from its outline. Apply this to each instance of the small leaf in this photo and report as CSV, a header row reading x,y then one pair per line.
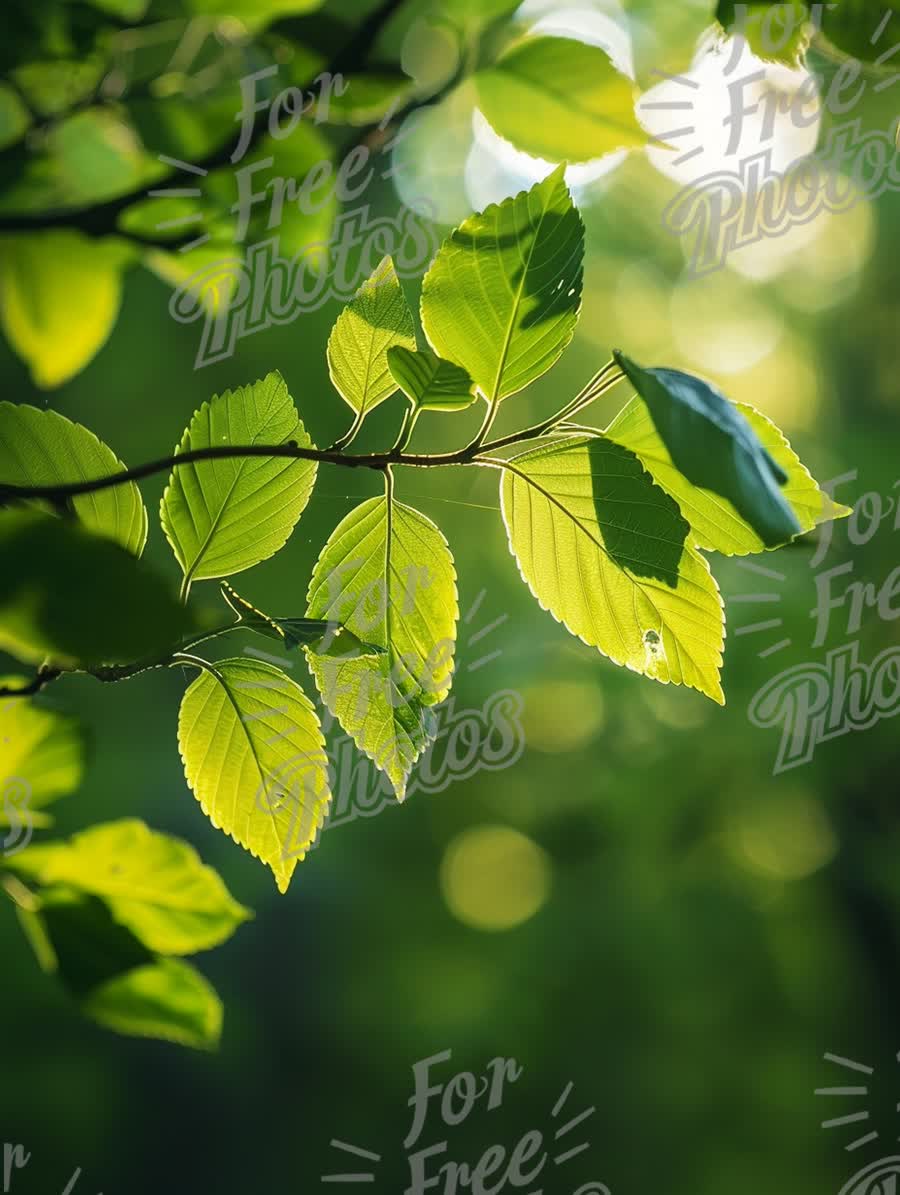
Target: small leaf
x,y
774,32
39,747
223,516
714,446
168,1000
387,574
429,382
319,635
560,99
255,759
523,259
603,549
153,884
715,523
78,598
59,298
375,319
115,980
44,448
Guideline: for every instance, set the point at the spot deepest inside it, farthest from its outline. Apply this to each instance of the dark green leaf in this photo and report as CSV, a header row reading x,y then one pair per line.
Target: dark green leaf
x,y
714,446
78,598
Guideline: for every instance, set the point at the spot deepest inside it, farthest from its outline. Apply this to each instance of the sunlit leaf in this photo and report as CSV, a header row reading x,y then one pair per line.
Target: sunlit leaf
x,y
387,574
167,999
523,260
560,99
223,516
715,523
430,383
59,298
376,319
40,748
153,884
116,980
79,598
44,448
713,445
774,32
604,549
255,759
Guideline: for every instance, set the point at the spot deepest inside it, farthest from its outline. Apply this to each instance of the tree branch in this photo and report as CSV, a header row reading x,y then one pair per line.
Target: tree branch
x,y
379,461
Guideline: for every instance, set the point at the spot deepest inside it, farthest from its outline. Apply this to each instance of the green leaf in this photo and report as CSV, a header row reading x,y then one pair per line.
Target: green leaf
x,y
560,99
714,446
168,1000
375,319
78,598
387,574
604,549
59,298
774,32
429,382
14,118
255,759
523,261
115,980
223,516
44,448
715,523
153,884
852,26
41,747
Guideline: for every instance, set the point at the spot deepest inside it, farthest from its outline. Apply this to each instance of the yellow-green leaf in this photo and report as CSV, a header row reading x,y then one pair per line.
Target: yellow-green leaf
x,y
40,748
502,296
59,298
255,759
375,320
560,99
387,574
45,448
153,884
429,382
604,549
223,516
715,522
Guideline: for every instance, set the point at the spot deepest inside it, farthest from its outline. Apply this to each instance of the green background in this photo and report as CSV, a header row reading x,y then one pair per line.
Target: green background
x,y
708,930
